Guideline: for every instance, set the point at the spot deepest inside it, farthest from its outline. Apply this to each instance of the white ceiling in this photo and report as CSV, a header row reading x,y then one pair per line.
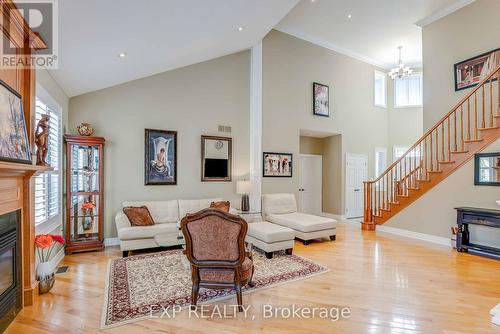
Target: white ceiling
x,y
156,35
375,30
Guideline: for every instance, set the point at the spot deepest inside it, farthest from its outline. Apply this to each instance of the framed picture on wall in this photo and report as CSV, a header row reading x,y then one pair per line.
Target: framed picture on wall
x,y
160,161
470,72
216,153
277,164
321,100
14,143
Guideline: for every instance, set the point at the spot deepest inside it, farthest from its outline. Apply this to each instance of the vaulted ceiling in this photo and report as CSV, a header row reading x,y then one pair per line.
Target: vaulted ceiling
x,y
160,35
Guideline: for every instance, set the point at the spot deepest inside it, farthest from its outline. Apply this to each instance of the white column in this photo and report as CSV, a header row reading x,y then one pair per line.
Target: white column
x,y
256,126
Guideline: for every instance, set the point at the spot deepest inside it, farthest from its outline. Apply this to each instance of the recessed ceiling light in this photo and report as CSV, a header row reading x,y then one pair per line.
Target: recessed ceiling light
x,y
313,1
240,28
349,16
122,55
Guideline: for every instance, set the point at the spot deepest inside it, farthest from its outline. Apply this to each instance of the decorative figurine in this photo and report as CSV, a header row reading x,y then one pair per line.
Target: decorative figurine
x,y
42,140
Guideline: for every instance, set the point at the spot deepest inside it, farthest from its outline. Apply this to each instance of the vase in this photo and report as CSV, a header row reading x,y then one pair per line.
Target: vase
x,y
88,224
45,276
85,129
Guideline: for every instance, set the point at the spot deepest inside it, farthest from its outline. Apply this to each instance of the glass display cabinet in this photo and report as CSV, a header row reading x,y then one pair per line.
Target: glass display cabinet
x,y
84,193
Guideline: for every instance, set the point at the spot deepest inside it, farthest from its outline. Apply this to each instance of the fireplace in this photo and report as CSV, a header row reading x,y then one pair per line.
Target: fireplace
x,y
10,268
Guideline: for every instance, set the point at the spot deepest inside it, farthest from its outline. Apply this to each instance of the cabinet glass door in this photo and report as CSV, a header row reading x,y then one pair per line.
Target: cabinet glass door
x,y
85,193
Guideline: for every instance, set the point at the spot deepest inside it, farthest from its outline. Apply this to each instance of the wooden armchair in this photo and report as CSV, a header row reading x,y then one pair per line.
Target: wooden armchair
x,y
215,247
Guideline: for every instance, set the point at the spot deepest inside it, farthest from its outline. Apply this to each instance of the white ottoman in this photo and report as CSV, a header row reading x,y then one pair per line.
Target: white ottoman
x,y
270,237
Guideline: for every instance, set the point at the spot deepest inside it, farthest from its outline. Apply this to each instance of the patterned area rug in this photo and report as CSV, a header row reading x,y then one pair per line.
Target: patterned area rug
x,y
141,285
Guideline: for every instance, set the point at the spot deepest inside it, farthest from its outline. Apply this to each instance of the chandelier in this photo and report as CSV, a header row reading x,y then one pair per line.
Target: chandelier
x,y
401,71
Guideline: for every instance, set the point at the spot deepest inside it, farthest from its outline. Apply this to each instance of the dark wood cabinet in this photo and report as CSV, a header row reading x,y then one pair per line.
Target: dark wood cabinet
x,y
84,193
476,216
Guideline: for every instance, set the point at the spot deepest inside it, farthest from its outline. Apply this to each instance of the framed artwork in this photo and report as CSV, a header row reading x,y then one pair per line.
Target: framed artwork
x,y
216,161
321,100
487,169
14,142
277,164
470,72
160,163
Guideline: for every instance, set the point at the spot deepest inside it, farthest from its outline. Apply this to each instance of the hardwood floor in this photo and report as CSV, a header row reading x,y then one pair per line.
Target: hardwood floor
x,y
391,285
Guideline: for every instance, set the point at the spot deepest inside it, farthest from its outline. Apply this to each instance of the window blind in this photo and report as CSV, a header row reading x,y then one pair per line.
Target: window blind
x,y
408,91
48,185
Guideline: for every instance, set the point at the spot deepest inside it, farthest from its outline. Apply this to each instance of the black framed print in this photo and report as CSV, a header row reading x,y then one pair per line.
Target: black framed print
x,y
160,161
321,100
470,72
487,169
277,164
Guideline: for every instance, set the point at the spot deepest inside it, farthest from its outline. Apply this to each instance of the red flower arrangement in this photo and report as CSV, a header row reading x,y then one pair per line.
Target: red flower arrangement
x,y
88,205
44,241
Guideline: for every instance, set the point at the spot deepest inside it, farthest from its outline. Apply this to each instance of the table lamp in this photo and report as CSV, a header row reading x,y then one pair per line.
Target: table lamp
x,y
243,188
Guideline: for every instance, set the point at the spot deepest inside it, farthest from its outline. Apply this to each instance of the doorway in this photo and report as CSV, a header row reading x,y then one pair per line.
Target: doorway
x,y
311,184
356,172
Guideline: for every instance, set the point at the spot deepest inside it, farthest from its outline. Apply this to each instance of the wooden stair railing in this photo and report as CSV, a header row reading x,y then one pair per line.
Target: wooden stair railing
x,y
470,126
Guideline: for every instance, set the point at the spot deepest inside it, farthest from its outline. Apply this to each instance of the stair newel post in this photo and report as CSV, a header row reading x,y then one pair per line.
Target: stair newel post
x,y
368,223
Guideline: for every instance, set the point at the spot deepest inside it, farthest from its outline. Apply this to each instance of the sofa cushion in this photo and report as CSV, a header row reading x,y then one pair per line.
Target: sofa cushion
x,y
145,232
303,222
138,215
269,232
194,205
278,204
161,211
222,205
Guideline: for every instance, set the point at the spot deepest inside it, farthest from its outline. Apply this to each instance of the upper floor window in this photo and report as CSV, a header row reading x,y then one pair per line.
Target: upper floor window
x,y
48,186
408,91
380,89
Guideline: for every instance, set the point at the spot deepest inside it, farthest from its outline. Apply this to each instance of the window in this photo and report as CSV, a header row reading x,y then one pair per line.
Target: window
x,y
380,89
398,151
380,160
408,91
48,185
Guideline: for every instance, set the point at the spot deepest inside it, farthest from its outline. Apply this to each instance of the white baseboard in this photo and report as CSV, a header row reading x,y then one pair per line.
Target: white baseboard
x,y
415,235
111,242
54,262
333,216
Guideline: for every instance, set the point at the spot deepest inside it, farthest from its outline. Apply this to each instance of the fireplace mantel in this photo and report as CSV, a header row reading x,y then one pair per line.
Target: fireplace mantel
x,y
11,169
16,192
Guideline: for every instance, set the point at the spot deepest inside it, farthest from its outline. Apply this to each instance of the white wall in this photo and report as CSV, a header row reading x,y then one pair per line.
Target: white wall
x,y
466,33
192,100
291,65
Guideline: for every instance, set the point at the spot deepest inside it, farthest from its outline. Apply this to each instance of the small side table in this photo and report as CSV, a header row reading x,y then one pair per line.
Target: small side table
x,y
251,216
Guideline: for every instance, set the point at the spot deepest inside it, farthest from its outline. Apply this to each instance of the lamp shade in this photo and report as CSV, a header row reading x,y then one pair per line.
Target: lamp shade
x,y
243,187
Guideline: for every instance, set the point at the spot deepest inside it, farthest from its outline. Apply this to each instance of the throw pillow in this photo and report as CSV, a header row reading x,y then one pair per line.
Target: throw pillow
x,y
222,205
138,216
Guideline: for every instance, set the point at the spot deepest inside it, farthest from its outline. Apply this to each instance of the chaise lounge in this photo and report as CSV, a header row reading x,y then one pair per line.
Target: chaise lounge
x,y
281,209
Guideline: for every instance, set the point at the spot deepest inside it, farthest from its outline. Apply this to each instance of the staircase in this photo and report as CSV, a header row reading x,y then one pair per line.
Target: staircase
x,y
468,128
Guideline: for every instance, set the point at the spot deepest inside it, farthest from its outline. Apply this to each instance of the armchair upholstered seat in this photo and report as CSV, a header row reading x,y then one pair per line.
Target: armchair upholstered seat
x,y
215,247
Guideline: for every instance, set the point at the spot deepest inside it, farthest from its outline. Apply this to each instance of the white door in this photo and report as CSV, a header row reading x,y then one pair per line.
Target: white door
x,y
356,173
311,183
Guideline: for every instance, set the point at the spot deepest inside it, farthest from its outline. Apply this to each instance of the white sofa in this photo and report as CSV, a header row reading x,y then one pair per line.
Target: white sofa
x,y
166,215
281,209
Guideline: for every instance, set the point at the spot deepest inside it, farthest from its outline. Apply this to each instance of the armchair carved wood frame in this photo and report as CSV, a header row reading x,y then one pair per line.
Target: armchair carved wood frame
x,y
215,247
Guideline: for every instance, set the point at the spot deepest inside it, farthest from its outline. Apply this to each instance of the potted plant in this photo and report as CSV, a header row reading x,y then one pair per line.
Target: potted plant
x,y
44,244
